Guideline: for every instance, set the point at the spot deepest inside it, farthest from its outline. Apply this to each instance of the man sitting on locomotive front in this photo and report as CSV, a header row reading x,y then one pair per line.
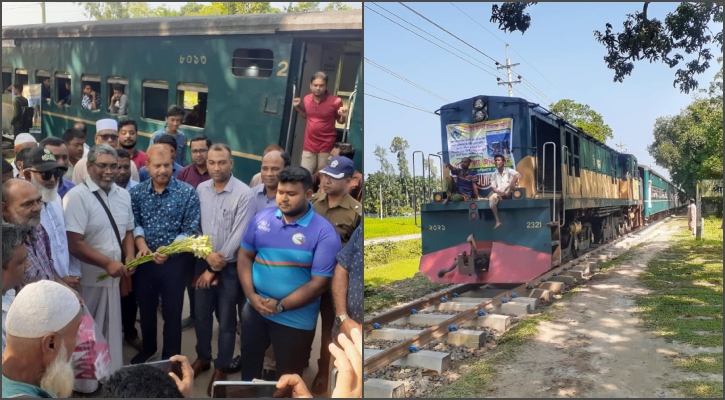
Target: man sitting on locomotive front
x,y
465,185
504,181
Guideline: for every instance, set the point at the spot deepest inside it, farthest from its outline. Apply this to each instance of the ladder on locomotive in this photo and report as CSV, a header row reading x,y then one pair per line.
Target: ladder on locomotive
x,y
556,222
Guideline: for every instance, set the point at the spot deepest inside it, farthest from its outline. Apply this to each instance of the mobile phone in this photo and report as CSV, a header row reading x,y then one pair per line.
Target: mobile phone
x,y
333,380
243,389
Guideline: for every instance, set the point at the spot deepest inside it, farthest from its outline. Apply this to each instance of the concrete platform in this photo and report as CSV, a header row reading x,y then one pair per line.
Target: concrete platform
x,y
382,389
427,359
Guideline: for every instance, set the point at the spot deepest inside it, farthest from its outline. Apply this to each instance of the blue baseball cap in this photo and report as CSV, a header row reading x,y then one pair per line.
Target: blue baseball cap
x,y
339,167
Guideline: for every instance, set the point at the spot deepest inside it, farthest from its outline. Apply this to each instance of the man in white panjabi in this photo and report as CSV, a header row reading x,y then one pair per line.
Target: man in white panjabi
x,y
692,216
505,180
92,239
106,133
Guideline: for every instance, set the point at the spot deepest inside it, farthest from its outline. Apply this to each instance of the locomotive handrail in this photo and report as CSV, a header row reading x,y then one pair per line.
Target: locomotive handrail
x,y
564,188
415,202
440,164
346,130
543,150
291,114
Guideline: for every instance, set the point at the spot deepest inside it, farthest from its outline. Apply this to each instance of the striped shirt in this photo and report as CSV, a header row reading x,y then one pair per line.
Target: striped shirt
x,y
225,215
39,256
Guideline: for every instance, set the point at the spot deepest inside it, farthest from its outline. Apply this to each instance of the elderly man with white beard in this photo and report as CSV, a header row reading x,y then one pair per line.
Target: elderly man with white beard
x,y
42,170
41,327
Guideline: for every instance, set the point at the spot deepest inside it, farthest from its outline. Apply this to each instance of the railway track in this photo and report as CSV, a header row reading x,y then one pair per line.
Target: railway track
x,y
469,316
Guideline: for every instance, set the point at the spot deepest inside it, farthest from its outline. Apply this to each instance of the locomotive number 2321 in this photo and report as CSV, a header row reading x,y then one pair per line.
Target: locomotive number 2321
x,y
436,227
533,224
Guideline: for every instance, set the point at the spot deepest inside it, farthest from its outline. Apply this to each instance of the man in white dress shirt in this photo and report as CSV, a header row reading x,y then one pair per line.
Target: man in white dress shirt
x,y
503,183
92,239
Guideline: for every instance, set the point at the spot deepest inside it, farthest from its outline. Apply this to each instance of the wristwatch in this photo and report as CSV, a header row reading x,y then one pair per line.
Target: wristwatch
x,y
280,307
340,318
210,269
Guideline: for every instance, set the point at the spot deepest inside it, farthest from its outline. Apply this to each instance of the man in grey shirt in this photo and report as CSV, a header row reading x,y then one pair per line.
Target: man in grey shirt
x,y
119,101
265,194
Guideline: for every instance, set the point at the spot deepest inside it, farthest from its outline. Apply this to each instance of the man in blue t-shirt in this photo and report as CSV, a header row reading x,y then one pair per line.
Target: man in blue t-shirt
x,y
286,261
464,188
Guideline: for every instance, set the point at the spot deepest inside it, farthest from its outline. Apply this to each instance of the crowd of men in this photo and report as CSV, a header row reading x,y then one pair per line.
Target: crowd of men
x,y
285,249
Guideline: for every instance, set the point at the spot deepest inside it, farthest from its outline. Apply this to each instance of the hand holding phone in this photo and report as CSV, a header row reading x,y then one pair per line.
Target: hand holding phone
x,y
243,389
292,386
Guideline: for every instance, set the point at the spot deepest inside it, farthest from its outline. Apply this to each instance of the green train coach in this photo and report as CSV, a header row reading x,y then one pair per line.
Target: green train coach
x,y
574,193
236,74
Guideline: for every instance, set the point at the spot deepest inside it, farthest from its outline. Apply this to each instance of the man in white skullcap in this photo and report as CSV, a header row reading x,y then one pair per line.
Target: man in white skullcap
x,y
106,132
42,327
22,141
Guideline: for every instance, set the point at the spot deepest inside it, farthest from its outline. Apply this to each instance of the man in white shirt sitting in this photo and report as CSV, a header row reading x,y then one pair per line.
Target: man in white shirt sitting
x,y
503,184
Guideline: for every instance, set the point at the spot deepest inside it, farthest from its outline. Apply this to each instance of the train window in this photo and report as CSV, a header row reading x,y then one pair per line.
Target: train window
x,y
116,87
91,92
43,77
192,97
63,88
577,165
7,78
155,100
21,76
253,63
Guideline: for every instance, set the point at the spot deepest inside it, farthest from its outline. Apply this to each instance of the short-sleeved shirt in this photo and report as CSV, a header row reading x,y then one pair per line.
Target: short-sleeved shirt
x,y
261,201
465,186
354,187
13,389
351,258
86,102
85,215
143,173
64,186
139,158
190,174
162,218
52,219
80,171
502,180
320,133
180,143
39,257
345,216
287,257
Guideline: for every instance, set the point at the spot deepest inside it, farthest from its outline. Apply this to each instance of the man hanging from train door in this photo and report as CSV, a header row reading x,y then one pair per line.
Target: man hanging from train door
x,y
503,183
321,109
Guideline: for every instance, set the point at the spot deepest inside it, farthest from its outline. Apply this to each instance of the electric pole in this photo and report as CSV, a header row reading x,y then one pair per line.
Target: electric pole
x,y
42,11
508,67
621,147
381,201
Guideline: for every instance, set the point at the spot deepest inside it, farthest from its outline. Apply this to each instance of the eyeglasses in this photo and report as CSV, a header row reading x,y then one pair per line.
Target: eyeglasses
x,y
108,136
103,167
46,175
199,151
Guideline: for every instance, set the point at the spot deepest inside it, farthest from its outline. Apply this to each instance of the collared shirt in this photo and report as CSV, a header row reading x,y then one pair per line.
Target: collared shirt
x,y
502,180
180,143
80,171
320,133
51,217
163,218
39,256
68,174
354,187
351,258
14,389
8,298
191,175
225,215
256,180
345,216
287,257
119,106
464,185
261,200
131,183
64,186
85,215
143,173
139,158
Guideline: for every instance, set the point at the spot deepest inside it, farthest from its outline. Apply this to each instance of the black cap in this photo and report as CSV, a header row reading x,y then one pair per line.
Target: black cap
x,y
41,159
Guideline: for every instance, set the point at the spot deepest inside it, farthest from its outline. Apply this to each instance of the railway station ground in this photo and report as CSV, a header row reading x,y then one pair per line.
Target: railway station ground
x,y
649,324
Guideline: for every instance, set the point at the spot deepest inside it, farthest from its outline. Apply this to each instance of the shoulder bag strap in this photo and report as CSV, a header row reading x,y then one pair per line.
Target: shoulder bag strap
x,y
110,217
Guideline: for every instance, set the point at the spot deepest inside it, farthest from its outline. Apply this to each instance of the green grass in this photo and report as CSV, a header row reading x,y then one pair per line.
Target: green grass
x,y
699,389
708,363
375,228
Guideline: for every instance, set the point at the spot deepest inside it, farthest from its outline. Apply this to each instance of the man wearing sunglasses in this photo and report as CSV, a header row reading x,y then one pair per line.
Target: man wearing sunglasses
x,y
43,171
106,133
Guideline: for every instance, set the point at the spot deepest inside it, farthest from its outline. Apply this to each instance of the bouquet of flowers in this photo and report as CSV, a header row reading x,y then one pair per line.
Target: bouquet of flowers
x,y
199,245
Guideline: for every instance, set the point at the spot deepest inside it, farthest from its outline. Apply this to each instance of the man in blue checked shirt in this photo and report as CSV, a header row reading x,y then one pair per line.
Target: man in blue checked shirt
x,y
164,210
286,261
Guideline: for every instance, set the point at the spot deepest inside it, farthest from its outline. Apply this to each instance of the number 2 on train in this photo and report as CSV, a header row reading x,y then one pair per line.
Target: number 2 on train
x,y
284,66
533,224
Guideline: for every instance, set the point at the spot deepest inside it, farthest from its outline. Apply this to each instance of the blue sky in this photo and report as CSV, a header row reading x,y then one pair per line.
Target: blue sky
x,y
559,45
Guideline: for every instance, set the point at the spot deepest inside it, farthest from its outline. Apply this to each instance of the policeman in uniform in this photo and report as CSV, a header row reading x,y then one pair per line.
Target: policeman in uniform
x,y
345,214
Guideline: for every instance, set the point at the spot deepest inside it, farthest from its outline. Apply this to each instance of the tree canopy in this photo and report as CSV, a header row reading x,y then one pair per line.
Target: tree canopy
x,y
109,10
690,144
583,117
645,38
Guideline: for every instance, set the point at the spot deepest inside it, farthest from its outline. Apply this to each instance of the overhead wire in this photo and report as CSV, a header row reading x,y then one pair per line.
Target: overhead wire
x,y
367,83
401,104
408,81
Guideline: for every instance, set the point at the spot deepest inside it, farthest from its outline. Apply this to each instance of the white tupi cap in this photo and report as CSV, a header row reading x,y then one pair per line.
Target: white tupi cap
x,y
40,308
106,124
24,138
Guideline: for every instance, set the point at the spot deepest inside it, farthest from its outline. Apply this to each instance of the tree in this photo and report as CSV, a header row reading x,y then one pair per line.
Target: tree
x,y
302,6
584,118
690,144
109,10
644,38
190,8
336,5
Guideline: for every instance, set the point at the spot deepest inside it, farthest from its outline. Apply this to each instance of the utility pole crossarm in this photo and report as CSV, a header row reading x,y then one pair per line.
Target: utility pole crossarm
x,y
509,82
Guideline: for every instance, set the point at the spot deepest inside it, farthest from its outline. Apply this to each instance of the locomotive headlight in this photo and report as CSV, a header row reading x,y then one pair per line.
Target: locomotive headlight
x,y
478,104
479,116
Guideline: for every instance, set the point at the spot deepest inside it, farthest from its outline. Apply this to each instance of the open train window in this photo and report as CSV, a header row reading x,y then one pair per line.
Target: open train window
x,y
43,78
253,63
63,88
117,102
21,76
192,97
7,78
91,92
155,100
